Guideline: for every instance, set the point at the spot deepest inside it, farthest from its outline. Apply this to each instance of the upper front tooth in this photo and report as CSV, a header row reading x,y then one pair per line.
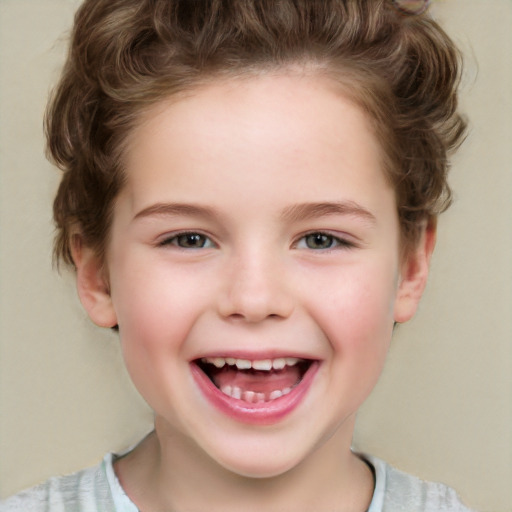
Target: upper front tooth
x,y
219,362
279,363
265,364
245,364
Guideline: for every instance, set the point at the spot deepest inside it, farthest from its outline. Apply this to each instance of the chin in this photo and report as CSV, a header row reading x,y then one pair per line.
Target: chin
x,y
260,458
263,467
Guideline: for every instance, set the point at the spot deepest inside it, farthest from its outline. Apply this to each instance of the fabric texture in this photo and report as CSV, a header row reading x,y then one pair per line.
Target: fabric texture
x,y
97,489
396,491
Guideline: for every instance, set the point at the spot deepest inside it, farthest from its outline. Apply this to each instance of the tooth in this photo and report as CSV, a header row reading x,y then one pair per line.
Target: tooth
x,y
275,394
227,390
219,362
243,364
279,363
291,361
265,364
249,396
230,360
285,391
260,397
236,392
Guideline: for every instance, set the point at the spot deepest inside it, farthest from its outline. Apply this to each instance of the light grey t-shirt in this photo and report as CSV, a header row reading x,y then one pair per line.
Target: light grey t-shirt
x,y
97,489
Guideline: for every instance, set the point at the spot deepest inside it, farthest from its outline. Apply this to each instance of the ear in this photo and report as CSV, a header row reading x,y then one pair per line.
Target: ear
x,y
92,284
414,274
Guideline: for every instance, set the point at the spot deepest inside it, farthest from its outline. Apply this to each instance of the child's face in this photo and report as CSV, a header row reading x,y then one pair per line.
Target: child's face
x,y
256,224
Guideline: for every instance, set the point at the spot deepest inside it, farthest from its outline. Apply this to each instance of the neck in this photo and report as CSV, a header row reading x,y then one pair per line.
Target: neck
x,y
167,471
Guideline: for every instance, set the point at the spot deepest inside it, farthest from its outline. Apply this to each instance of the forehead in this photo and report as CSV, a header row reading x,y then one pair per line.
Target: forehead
x,y
261,137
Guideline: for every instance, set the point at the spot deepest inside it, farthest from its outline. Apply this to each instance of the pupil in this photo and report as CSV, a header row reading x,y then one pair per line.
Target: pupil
x,y
319,241
191,240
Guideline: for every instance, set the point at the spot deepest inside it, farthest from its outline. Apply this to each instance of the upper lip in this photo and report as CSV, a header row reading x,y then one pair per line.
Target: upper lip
x,y
256,356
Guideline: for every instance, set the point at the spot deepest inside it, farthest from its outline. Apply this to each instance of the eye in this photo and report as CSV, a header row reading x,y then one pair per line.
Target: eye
x,y
321,241
189,240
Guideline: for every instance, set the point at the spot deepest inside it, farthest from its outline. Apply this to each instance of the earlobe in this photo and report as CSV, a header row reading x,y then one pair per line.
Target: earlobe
x,y
92,284
414,274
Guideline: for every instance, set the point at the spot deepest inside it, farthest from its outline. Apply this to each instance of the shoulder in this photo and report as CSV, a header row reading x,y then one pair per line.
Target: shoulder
x,y
398,491
89,490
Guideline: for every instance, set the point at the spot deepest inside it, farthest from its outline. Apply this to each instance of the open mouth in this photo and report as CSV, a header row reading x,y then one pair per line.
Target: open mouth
x,y
254,381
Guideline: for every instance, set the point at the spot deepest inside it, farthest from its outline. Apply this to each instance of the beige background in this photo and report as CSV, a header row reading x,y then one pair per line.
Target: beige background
x,y
443,408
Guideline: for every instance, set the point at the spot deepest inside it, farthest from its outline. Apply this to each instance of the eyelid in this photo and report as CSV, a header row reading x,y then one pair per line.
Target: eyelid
x,y
167,239
344,241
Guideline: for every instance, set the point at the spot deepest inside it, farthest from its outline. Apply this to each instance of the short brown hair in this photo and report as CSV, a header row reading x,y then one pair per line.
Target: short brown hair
x,y
126,55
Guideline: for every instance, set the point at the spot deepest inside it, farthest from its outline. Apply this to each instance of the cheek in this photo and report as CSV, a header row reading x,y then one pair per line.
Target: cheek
x,y
155,317
155,313
357,313
153,300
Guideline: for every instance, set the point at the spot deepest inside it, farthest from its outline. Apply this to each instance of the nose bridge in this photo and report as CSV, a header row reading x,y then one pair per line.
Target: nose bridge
x,y
256,286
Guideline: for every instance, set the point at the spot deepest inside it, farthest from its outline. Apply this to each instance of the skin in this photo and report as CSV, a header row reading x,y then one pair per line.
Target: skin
x,y
251,157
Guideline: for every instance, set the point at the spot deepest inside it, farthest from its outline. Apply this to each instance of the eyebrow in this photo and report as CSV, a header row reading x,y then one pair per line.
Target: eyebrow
x,y
307,211
164,209
297,212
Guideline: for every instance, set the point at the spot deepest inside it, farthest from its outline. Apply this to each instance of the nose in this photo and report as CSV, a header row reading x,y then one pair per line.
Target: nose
x,y
255,288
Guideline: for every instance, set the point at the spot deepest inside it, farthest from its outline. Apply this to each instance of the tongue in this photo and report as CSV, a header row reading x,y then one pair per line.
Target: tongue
x,y
257,381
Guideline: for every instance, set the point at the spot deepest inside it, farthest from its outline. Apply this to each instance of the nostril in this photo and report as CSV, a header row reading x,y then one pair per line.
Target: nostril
x,y
255,298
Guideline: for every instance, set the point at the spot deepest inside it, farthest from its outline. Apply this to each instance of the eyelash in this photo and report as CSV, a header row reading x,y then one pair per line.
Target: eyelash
x,y
333,242
175,240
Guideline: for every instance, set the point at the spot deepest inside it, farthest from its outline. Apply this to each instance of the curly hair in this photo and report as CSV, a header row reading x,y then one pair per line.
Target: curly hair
x,y
127,55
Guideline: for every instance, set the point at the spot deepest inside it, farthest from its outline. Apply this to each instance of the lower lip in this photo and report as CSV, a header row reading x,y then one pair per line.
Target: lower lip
x,y
265,413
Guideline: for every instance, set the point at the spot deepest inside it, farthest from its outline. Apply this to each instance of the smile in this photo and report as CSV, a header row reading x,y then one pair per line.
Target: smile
x,y
254,391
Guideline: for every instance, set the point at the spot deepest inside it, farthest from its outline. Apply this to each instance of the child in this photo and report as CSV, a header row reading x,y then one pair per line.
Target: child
x,y
249,197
